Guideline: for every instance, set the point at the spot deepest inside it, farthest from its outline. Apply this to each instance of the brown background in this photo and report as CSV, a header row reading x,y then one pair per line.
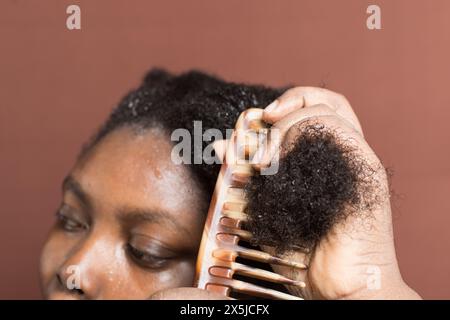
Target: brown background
x,y
56,86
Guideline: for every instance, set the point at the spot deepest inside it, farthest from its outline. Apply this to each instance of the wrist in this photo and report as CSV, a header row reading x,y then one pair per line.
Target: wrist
x,y
391,288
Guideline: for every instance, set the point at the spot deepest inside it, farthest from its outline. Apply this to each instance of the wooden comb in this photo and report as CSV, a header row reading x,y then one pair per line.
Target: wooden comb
x,y
224,231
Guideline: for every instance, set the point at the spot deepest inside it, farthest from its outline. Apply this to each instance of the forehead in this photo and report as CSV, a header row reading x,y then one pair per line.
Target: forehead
x,y
134,168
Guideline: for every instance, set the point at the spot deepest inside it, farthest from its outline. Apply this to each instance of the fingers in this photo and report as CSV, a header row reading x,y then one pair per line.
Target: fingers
x,y
288,130
300,256
265,154
343,130
187,294
304,97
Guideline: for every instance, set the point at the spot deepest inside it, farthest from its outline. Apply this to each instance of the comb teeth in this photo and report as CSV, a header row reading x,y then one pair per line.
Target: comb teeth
x,y
216,264
227,269
242,234
255,290
236,195
256,255
235,215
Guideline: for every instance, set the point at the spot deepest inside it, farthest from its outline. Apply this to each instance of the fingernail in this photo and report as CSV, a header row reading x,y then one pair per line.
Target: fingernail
x,y
271,106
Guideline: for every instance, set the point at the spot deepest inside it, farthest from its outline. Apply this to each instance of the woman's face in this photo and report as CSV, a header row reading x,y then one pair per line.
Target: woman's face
x,y
129,223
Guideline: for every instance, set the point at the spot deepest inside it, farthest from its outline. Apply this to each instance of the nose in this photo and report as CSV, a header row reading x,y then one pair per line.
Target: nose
x,y
82,275
73,290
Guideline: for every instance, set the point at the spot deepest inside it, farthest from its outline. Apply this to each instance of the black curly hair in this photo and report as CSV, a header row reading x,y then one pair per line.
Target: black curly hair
x,y
321,180
176,101
316,182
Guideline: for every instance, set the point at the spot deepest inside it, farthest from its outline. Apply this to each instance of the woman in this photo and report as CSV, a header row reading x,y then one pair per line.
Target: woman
x,y
130,221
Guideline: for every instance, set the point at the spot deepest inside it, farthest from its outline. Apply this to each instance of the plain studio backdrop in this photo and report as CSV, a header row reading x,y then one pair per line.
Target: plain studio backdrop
x,y
57,86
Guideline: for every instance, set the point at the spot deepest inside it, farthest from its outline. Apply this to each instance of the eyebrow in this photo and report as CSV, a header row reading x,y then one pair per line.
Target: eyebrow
x,y
151,216
70,184
127,214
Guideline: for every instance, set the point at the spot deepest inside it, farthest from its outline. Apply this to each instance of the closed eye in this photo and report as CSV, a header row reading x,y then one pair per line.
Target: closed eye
x,y
146,259
69,223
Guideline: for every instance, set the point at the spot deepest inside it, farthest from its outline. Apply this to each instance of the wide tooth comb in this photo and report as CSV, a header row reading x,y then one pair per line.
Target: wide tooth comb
x,y
219,248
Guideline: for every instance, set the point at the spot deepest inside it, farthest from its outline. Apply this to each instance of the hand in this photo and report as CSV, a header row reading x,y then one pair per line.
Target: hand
x,y
360,248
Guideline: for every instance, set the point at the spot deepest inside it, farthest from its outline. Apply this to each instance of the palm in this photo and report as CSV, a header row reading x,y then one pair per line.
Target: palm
x,y
346,260
358,249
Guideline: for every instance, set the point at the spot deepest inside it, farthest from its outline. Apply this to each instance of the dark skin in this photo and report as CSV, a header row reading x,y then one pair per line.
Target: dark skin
x,y
338,265
129,173
130,220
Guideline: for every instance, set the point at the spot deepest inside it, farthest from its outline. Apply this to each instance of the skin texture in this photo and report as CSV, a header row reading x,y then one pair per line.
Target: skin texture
x,y
342,261
125,192
176,101
121,170
127,172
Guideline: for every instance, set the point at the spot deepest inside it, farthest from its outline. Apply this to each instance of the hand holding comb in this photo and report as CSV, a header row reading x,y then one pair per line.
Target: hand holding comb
x,y
224,230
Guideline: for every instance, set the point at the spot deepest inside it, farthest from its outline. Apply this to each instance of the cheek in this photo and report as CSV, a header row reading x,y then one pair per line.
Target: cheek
x,y
143,284
112,273
53,254
182,275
